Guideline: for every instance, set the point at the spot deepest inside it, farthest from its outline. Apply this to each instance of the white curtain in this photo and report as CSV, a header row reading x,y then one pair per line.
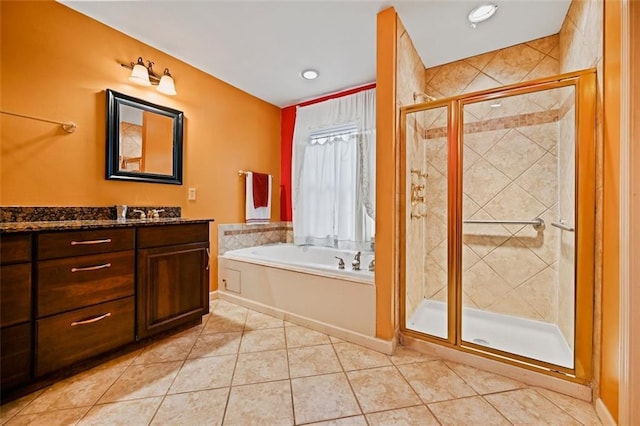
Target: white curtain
x,y
333,172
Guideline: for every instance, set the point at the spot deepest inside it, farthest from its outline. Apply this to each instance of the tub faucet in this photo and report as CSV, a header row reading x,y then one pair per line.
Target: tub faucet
x,y
355,265
372,265
143,215
340,262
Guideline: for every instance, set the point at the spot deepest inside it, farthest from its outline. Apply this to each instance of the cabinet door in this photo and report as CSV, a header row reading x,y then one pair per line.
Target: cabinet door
x,y
15,359
173,287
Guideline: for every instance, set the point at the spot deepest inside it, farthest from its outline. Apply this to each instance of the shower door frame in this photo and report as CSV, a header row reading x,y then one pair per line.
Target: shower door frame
x,y
584,83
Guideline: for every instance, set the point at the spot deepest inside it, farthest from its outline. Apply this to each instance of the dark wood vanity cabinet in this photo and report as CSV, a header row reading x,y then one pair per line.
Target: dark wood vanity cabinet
x,y
67,296
173,276
85,295
15,310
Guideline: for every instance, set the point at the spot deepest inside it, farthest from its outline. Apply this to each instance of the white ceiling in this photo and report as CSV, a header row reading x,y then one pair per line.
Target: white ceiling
x,y
262,46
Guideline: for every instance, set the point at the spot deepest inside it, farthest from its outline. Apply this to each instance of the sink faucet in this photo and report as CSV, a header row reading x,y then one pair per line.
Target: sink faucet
x,y
355,265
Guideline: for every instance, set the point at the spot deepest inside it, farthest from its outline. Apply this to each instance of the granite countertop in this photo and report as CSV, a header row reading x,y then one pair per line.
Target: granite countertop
x,y
10,227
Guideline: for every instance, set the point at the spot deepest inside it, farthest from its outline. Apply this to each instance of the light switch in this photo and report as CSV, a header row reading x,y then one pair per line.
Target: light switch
x,y
192,194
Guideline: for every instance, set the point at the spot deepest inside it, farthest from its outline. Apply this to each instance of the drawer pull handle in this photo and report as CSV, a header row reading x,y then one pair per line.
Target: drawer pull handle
x,y
89,321
91,268
77,243
208,259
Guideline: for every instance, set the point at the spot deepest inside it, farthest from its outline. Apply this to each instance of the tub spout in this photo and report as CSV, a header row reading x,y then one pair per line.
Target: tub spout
x,y
355,265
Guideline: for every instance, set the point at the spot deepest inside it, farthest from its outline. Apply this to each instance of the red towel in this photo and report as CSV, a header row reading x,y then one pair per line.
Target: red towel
x,y
260,190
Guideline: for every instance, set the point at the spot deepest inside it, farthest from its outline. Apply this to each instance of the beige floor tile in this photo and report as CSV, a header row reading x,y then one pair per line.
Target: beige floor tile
x,y
434,381
323,398
410,416
313,360
254,404
216,344
81,390
225,323
257,321
170,349
345,421
404,355
482,381
354,357
467,411
67,416
379,389
262,340
204,373
193,408
224,308
302,336
335,339
142,381
14,407
526,406
125,413
580,410
258,367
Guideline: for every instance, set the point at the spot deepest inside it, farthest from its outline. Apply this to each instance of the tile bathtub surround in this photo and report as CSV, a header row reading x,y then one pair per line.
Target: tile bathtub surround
x,y
283,377
48,214
232,236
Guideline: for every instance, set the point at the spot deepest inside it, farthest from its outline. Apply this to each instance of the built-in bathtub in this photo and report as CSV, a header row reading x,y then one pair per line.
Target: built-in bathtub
x,y
303,284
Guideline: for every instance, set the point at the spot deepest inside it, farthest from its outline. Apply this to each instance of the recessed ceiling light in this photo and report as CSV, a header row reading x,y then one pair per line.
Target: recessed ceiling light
x,y
310,74
481,13
496,105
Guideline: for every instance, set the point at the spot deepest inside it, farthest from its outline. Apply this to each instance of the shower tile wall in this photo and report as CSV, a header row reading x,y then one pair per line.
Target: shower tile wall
x,y
581,48
410,79
505,170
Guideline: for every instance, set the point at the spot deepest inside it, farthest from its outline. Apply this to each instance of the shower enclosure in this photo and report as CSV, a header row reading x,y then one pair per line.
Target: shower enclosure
x,y
498,195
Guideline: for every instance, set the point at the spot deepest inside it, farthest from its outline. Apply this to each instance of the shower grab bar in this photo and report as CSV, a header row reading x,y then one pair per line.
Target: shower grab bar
x,y
563,226
537,223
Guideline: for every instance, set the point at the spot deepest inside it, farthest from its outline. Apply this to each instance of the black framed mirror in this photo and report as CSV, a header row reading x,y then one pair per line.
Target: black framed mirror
x,y
144,140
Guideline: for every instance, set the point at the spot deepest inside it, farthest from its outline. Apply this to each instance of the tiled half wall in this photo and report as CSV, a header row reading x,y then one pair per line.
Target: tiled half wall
x,y
233,236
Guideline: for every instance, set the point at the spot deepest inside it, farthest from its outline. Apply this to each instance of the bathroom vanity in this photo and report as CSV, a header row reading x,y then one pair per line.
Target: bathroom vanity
x,y
72,291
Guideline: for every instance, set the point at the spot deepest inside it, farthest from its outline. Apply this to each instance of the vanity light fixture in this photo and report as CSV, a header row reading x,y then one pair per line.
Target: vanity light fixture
x,y
146,76
310,74
481,13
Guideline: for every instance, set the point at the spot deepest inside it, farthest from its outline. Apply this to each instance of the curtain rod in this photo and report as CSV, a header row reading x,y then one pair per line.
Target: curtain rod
x,y
68,127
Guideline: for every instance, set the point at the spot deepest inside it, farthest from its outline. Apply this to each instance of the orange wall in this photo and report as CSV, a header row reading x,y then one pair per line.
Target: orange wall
x,y
386,182
609,373
57,63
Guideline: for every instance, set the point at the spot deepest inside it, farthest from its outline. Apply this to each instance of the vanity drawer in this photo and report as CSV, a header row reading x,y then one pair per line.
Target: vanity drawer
x,y
167,235
15,248
54,245
75,282
64,339
15,294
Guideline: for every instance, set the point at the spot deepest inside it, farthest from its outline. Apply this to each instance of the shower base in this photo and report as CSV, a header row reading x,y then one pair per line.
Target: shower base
x,y
533,339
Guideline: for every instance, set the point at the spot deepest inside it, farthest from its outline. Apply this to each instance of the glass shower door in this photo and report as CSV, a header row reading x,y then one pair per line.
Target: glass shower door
x,y
518,225
426,294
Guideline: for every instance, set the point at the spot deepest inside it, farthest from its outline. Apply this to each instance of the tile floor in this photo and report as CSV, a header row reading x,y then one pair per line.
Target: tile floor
x,y
241,367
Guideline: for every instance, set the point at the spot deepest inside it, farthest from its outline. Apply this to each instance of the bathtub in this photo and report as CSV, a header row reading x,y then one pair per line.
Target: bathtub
x,y
302,284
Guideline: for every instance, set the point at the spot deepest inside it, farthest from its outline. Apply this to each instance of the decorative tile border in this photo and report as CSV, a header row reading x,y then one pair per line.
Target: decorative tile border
x,y
521,120
46,214
234,236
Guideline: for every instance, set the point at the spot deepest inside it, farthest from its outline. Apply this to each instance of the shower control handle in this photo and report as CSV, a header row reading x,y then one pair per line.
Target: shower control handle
x,y
340,262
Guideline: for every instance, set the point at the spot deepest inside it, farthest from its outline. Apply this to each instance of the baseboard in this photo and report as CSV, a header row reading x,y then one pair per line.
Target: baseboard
x,y
530,377
603,413
213,295
384,346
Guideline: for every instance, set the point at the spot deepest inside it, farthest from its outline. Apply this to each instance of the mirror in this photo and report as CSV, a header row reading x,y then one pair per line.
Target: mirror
x,y
144,140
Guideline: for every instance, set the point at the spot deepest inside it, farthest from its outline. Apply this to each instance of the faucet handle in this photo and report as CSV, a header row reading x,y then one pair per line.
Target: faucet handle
x,y
340,262
143,215
372,265
155,213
